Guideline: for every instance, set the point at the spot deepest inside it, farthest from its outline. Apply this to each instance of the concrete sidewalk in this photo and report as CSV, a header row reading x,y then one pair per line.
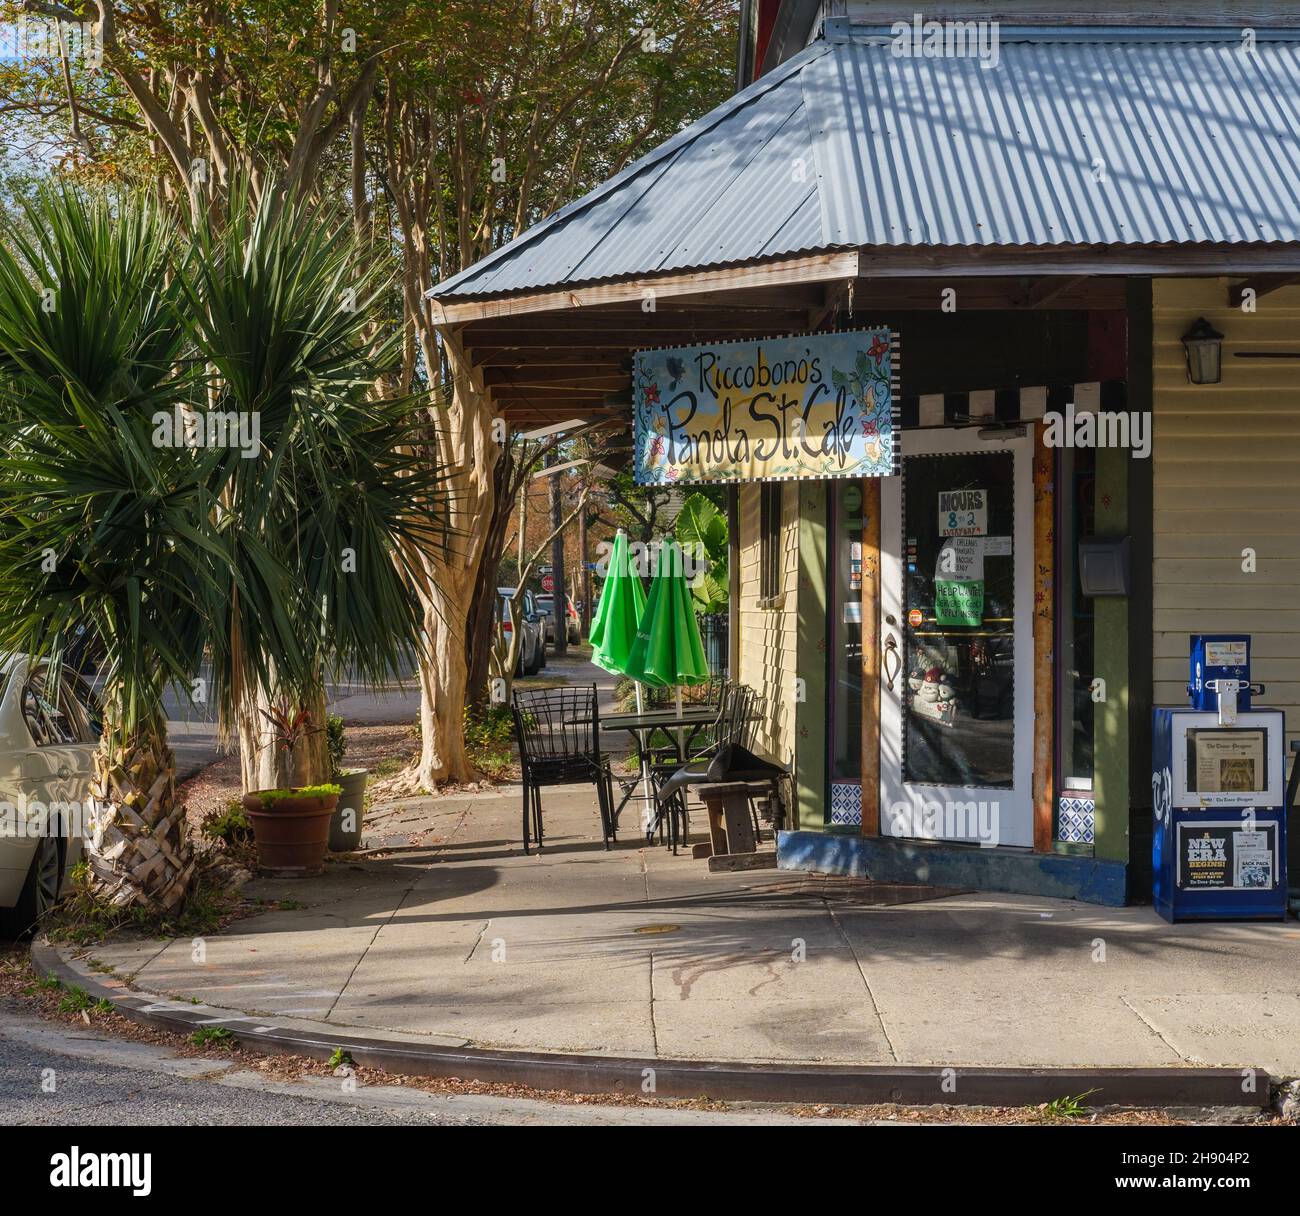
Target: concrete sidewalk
x,y
446,932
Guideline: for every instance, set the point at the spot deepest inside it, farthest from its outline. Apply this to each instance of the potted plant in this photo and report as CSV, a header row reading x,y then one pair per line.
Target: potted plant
x,y
290,824
345,823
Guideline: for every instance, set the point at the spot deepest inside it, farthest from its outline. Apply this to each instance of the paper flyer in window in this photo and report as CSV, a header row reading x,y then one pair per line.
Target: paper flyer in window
x,y
1252,860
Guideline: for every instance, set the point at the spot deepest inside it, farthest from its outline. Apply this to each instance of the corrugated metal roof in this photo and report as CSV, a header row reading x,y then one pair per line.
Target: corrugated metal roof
x,y
1110,140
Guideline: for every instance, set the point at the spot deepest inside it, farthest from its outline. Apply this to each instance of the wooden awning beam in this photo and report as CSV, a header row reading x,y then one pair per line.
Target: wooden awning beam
x,y
1261,285
813,268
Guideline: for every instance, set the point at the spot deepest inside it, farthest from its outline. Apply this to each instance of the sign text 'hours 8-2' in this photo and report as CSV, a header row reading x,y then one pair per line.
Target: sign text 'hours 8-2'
x,y
963,513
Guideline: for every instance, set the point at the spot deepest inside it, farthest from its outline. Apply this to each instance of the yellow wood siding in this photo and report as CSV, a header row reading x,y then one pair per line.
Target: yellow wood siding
x,y
768,636
1226,479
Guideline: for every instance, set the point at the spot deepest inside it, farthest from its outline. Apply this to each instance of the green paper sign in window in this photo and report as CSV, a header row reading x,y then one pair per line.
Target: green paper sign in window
x,y
959,581
959,603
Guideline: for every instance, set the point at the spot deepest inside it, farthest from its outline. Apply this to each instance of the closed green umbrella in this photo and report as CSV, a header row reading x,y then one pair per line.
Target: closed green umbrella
x,y
622,600
613,630
668,649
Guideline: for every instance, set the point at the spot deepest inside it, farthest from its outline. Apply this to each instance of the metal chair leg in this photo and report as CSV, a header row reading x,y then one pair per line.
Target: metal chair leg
x,y
602,799
527,812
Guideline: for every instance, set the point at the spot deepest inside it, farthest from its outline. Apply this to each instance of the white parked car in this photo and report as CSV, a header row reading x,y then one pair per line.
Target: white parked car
x,y
47,743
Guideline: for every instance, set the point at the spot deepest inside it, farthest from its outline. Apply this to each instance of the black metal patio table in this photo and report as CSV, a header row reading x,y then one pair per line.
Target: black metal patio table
x,y
681,726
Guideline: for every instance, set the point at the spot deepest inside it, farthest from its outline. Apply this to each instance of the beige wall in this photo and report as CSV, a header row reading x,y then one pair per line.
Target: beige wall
x,y
1226,478
768,636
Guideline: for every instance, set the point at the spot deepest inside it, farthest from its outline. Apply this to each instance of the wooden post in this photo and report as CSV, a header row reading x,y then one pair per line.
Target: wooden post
x,y
1044,786
871,657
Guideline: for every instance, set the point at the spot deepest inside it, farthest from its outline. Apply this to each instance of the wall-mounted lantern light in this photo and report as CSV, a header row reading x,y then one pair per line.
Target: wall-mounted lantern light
x,y
1204,345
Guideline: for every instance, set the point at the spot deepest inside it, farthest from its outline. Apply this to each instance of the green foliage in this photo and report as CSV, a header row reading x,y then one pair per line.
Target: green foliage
x,y
702,530
166,551
75,1000
340,1058
336,743
271,798
231,826
652,697
218,1035
1068,1107
489,738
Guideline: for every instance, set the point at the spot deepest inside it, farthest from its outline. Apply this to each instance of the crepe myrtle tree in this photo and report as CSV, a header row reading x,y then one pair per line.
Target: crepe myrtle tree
x,y
169,550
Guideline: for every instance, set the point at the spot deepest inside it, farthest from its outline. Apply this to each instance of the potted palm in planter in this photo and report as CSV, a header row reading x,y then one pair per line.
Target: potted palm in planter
x,y
291,824
345,823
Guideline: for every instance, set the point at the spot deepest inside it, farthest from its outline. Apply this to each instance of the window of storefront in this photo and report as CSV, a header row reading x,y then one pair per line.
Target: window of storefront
x,y
769,539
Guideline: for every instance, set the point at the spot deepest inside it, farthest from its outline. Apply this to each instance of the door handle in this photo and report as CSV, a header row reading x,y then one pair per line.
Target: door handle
x,y
890,651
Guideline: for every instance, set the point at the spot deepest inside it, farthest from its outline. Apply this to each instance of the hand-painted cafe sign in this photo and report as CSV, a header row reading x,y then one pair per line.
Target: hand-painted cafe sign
x,y
807,407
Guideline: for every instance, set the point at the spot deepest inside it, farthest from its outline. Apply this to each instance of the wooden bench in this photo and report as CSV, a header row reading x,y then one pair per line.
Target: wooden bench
x,y
731,827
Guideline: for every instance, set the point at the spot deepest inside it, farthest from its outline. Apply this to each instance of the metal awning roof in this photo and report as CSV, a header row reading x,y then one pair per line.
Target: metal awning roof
x,y
1076,138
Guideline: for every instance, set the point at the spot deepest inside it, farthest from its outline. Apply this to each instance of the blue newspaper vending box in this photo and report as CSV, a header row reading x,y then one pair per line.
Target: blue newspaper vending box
x,y
1219,794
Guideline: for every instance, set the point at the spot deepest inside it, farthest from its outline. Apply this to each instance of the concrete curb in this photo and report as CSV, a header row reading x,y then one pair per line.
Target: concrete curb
x,y
859,1085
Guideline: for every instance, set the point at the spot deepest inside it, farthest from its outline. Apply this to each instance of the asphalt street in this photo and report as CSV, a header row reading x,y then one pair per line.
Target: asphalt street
x,y
101,1081
152,1087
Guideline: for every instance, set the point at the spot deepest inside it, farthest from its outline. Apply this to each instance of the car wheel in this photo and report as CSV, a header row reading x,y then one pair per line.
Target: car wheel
x,y
39,893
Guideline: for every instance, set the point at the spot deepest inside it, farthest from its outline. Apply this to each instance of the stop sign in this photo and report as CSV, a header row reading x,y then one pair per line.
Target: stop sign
x,y
548,582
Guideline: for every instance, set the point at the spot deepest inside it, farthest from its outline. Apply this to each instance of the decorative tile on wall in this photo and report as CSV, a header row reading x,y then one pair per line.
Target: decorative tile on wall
x,y
846,804
1075,818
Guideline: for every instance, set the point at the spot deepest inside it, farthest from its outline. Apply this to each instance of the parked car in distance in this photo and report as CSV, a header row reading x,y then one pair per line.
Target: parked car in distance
x,y
517,610
546,606
48,737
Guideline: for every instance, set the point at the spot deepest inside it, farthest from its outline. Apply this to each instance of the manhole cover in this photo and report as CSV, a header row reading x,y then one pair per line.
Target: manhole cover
x,y
657,929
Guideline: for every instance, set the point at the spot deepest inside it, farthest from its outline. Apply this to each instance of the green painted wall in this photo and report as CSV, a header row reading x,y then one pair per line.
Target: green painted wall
x,y
810,713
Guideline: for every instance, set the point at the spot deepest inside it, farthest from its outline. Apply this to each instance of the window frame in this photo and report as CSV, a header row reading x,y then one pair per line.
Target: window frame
x,y
771,510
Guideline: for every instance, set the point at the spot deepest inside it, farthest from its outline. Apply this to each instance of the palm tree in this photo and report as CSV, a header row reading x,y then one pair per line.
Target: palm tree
x,y
283,302
109,323
98,525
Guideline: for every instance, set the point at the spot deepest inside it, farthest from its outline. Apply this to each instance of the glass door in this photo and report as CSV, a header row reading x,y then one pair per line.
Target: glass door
x,y
956,668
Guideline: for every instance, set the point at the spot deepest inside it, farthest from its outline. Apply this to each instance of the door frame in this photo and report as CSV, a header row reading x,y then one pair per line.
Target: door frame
x,y
1015,806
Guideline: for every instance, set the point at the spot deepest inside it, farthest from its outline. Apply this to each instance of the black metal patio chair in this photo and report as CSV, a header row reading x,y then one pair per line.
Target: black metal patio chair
x,y
732,758
558,732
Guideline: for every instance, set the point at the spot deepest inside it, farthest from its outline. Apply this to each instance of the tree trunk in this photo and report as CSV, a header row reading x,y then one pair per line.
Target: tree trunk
x,y
262,765
442,692
482,610
468,450
137,847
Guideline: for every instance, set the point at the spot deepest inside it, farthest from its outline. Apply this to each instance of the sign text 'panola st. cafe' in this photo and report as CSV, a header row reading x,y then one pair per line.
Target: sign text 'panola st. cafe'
x,y
821,405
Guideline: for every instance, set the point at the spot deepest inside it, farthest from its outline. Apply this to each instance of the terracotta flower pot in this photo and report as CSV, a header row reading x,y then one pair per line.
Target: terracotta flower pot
x,y
290,833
